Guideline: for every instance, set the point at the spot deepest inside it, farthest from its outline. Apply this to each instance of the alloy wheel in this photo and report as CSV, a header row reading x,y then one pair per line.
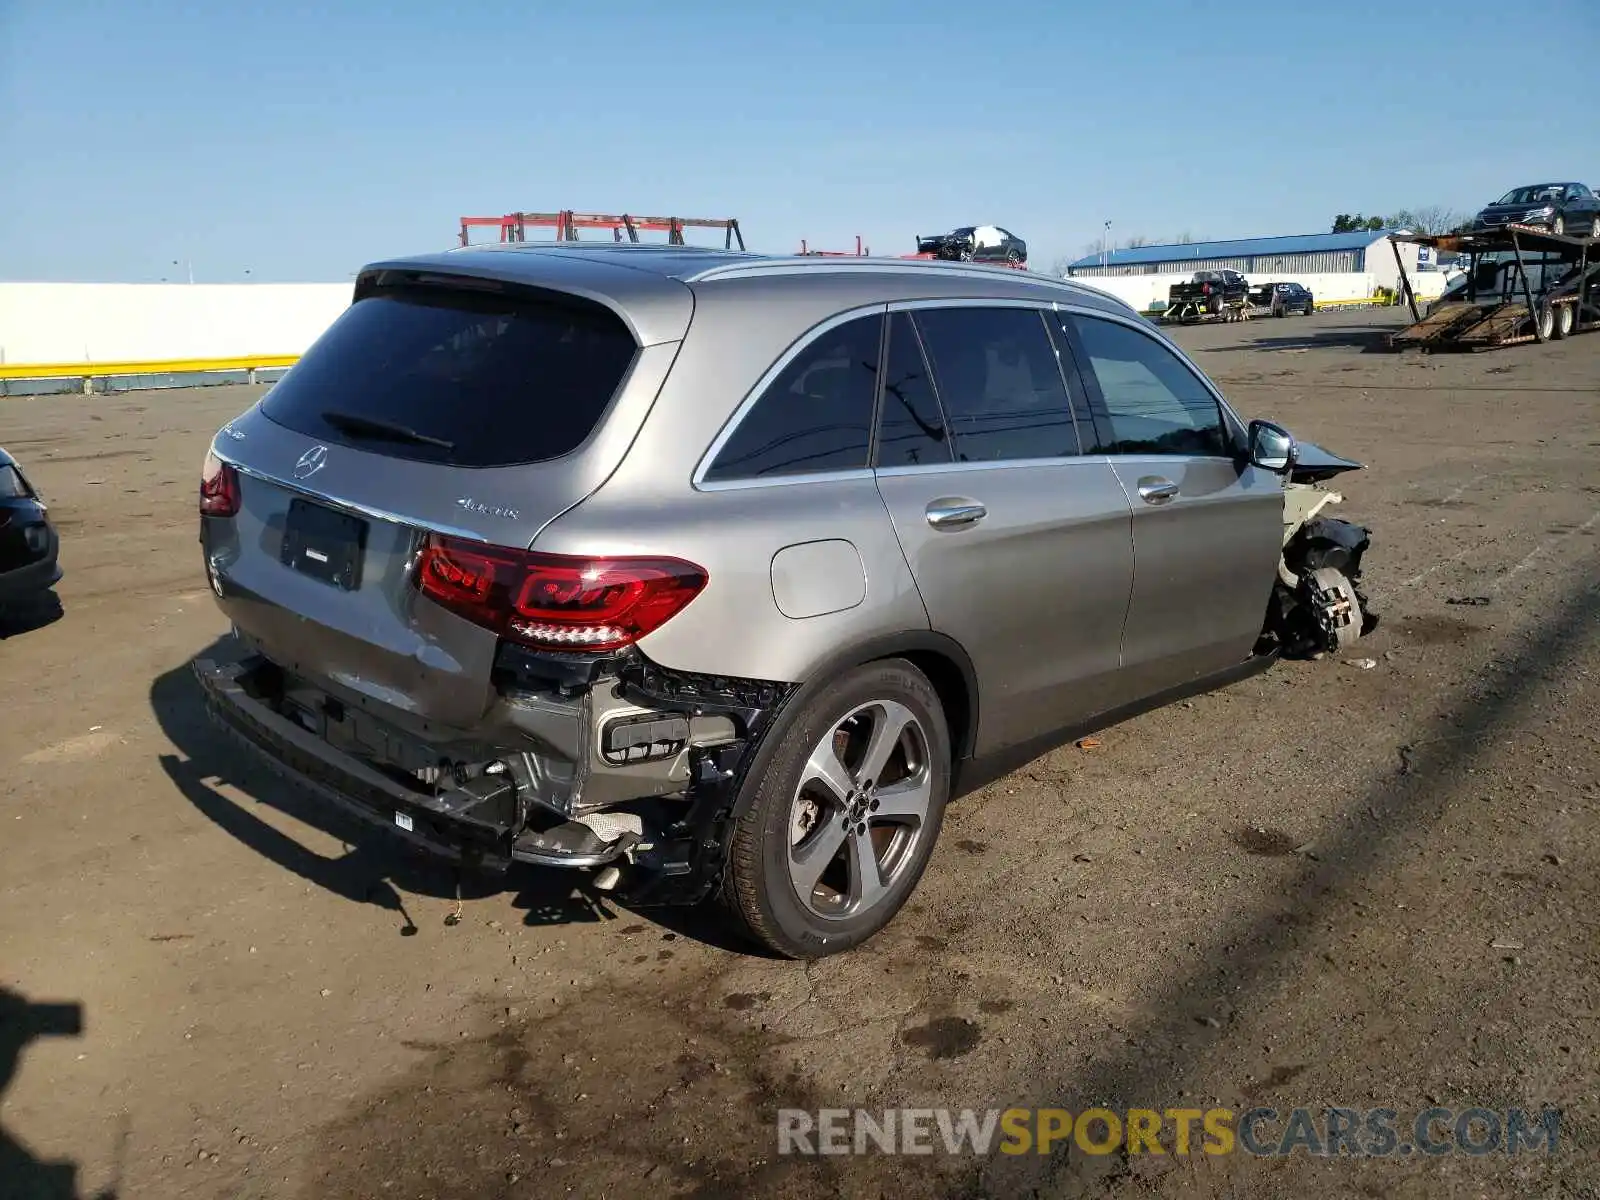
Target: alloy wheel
x,y
859,810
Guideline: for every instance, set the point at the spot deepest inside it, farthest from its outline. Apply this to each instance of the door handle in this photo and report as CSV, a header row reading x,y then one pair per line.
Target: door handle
x,y
955,513
1155,490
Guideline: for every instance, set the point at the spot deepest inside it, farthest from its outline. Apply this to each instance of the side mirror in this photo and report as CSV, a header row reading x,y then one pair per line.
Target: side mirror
x,y
1271,447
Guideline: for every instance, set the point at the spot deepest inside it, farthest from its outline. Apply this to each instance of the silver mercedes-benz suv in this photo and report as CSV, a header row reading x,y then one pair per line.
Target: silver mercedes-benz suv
x,y
718,574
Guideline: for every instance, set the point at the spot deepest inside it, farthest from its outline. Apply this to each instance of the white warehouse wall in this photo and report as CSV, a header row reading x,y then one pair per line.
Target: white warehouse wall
x,y
61,324
51,323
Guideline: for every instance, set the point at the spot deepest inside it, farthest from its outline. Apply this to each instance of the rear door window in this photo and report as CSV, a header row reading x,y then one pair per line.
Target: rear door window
x,y
816,415
480,379
1000,384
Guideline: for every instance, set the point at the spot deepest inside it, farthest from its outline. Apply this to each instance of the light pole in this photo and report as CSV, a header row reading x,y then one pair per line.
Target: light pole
x,y
1105,243
188,266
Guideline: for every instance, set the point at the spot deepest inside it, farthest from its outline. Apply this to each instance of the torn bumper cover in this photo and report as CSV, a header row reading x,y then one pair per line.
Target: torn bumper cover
x,y
664,831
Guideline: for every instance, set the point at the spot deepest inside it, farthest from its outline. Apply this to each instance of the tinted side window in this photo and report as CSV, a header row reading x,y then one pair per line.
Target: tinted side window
x,y
486,380
1156,404
816,415
997,376
911,429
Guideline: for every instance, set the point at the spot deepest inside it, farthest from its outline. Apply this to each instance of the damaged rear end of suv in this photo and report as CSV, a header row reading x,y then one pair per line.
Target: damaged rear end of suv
x,y
401,652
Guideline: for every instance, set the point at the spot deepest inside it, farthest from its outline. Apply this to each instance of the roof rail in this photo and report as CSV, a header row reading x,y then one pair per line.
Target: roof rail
x,y
786,265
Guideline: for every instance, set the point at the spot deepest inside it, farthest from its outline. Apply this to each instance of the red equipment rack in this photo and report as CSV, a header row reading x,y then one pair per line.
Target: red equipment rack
x,y
514,226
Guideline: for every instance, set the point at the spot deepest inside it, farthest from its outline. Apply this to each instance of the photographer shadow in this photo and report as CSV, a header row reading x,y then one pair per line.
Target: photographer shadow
x,y
22,1175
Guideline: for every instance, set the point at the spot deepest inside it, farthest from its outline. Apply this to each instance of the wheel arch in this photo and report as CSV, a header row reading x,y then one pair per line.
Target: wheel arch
x,y
948,668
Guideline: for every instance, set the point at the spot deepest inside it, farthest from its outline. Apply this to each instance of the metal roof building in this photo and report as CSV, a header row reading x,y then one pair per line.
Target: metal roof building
x,y
1304,253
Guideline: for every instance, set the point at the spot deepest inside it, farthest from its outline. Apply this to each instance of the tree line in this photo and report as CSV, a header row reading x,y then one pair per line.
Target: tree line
x,y
1434,219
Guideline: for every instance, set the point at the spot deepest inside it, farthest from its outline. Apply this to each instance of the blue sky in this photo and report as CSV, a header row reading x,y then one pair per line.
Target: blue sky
x,y
298,140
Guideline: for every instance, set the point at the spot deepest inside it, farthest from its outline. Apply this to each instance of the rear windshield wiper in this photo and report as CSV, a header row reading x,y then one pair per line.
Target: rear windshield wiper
x,y
358,426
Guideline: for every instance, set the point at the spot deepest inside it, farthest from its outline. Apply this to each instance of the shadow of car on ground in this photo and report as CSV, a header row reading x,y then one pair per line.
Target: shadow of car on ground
x,y
1367,340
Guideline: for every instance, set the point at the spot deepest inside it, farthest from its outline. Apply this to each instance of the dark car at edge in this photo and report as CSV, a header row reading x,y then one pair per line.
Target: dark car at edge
x,y
28,542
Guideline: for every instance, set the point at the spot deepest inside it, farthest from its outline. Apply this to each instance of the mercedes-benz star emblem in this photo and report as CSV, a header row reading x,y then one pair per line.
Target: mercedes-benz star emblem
x,y
310,462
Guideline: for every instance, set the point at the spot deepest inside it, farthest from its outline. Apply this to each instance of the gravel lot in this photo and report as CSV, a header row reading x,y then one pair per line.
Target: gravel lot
x,y
1326,885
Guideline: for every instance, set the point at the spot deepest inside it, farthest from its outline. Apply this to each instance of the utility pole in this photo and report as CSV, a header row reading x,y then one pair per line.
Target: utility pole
x,y
1105,243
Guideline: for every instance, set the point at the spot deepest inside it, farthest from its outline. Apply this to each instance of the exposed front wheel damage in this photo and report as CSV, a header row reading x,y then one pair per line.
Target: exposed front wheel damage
x,y
1317,606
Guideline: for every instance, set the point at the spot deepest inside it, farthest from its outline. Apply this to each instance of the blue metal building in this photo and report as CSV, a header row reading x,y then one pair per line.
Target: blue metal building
x,y
1297,254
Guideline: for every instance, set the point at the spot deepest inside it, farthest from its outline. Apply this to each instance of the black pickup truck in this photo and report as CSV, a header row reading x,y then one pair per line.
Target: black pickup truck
x,y
1208,292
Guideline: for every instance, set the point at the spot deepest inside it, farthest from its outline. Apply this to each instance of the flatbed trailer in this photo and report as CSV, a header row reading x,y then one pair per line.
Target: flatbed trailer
x,y
1511,310
513,227
1192,309
860,251
1220,295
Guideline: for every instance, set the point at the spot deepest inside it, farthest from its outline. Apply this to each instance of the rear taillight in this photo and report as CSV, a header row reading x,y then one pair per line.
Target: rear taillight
x,y
556,601
219,488
1205,289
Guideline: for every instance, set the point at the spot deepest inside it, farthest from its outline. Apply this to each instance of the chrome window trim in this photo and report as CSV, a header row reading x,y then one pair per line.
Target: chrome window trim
x,y
768,377
1035,302
761,481
996,464
364,510
886,308
1144,327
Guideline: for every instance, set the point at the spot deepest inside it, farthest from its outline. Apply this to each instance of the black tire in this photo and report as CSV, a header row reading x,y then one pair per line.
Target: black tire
x,y
1280,310
758,888
1310,305
1594,228
1559,225
1562,324
1546,323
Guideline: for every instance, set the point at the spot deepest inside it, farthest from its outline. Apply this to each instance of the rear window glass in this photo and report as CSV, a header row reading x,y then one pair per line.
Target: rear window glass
x,y
816,415
465,378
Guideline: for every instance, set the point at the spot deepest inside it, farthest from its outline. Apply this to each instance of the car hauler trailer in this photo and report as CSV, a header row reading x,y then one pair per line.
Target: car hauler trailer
x,y
860,251
1522,285
513,227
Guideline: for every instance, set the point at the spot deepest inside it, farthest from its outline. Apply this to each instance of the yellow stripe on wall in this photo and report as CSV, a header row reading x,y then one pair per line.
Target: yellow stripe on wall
x,y
165,366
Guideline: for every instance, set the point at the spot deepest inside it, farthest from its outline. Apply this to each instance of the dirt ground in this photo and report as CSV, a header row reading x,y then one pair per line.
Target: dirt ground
x,y
1329,884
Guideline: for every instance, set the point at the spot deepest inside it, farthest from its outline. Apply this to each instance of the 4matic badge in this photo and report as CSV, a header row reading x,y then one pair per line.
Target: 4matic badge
x,y
487,510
